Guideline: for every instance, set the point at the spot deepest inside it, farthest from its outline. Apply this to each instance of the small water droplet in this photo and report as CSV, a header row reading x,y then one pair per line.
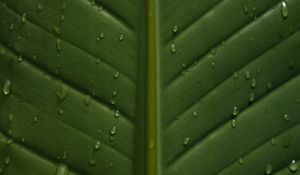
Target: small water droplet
x,y
286,118
235,111
56,30
269,86
186,141
173,48
284,10
11,117
175,29
6,87
195,114
9,141
116,75
113,130
213,64
63,91
213,51
235,75
23,18
97,61
58,44
247,75
87,100
93,162
113,101
60,111
7,160
241,161
269,169
251,97
20,58
293,166
39,7
11,27
253,83
273,141
62,169
117,113
233,123
63,6
245,7
100,37
62,18
97,145
121,37
35,119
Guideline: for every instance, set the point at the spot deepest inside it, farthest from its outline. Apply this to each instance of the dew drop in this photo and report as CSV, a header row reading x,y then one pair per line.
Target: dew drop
x,y
284,10
35,119
56,30
195,114
97,145
175,29
286,118
245,7
7,160
58,44
233,123
116,75
117,113
269,169
235,75
251,97
113,130
293,166
121,37
6,87
241,161
253,83
63,92
100,37
173,48
39,7
97,61
235,111
11,27
11,117
87,100
93,162
247,75
23,18
62,169
273,141
20,58
186,141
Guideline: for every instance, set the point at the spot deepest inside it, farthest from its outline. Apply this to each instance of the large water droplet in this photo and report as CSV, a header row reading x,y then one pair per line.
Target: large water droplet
x,y
113,130
293,166
273,141
284,10
241,161
116,75
117,113
121,37
175,29
186,141
233,123
62,169
6,87
97,145
39,7
269,169
173,48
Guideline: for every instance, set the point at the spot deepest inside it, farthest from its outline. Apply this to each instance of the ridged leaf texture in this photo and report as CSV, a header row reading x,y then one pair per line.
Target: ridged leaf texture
x,y
154,87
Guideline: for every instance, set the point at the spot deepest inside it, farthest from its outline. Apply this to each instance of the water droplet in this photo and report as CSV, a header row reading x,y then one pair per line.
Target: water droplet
x,y
11,27
245,7
247,75
116,75
269,169
23,18
56,30
253,83
97,61
62,17
114,93
235,111
117,113
39,7
9,141
6,87
62,169
235,75
7,160
213,64
195,114
63,6
175,29
173,48
93,162
11,117
213,51
293,166
60,111
269,86
20,58
35,119
97,145
113,101
186,141
121,37
58,44
241,161
113,130
284,10
273,141
251,97
63,91
286,118
233,123
87,100
100,37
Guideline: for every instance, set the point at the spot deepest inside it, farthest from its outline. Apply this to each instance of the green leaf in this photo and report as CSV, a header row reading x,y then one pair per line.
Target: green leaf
x,y
155,87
